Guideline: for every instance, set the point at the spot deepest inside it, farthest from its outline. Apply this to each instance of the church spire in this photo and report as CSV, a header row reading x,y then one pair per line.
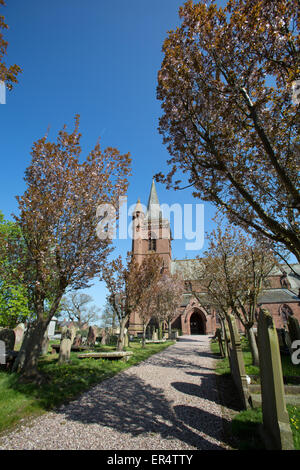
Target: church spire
x,y
153,208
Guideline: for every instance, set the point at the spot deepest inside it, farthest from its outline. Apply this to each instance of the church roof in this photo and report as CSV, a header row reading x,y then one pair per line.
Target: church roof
x,y
277,296
188,269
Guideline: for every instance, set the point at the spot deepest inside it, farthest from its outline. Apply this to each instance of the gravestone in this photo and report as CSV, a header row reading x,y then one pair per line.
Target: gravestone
x,y
237,365
92,335
67,338
294,328
51,327
9,338
2,353
126,340
284,341
155,335
19,332
221,342
276,430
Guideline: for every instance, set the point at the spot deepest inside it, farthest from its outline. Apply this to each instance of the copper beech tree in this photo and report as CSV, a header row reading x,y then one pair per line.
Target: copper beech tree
x,y
170,290
8,74
228,87
57,218
233,273
128,286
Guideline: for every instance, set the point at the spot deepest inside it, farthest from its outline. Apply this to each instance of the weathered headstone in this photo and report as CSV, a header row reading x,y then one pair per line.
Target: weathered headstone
x,y
221,342
155,335
19,332
284,341
237,365
276,426
77,341
9,338
126,340
2,353
294,328
67,338
51,327
92,335
104,336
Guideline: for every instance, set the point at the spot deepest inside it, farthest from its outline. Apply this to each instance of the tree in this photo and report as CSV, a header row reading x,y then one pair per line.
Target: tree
x,y
57,219
233,273
230,118
150,276
78,309
7,74
108,316
128,286
169,295
14,297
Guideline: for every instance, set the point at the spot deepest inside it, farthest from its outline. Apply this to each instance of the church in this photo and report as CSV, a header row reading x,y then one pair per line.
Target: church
x,y
152,234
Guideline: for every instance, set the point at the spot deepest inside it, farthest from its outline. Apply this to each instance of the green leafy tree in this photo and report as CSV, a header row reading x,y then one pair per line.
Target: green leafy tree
x,y
77,306
14,297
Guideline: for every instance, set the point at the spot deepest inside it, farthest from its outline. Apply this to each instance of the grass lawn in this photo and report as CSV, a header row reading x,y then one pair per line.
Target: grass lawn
x,y
288,368
65,382
245,427
245,424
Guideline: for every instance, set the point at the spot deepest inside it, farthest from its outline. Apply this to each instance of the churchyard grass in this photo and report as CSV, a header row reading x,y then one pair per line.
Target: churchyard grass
x,y
64,382
245,427
288,368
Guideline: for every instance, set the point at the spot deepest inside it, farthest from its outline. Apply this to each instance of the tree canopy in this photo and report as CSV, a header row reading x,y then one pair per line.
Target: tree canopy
x,y
58,221
230,120
14,297
8,74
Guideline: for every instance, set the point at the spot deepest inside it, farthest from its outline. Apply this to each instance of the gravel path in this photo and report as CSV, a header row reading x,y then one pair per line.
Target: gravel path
x,y
168,402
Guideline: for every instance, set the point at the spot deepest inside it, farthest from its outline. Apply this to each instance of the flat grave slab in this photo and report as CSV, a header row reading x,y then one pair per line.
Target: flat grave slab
x,y
55,348
124,355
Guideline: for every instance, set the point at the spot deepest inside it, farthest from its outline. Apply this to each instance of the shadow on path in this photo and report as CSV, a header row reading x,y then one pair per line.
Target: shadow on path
x,y
136,408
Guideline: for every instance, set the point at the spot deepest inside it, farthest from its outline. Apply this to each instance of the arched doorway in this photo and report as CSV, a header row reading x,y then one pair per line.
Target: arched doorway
x,y
198,323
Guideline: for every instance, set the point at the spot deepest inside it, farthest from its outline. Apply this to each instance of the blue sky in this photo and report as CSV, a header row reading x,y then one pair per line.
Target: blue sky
x,y
98,59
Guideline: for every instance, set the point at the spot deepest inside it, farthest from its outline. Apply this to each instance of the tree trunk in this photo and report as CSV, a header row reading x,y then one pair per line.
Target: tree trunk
x,y
120,344
225,337
253,345
144,336
170,329
160,328
27,360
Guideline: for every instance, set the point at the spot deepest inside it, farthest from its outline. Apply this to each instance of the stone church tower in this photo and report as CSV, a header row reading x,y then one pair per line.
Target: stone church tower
x,y
151,232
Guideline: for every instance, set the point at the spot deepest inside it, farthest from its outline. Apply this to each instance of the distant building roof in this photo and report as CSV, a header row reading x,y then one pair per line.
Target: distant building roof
x,y
186,268
277,296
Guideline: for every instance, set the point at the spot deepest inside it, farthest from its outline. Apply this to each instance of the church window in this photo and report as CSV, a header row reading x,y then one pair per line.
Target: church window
x,y
152,244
